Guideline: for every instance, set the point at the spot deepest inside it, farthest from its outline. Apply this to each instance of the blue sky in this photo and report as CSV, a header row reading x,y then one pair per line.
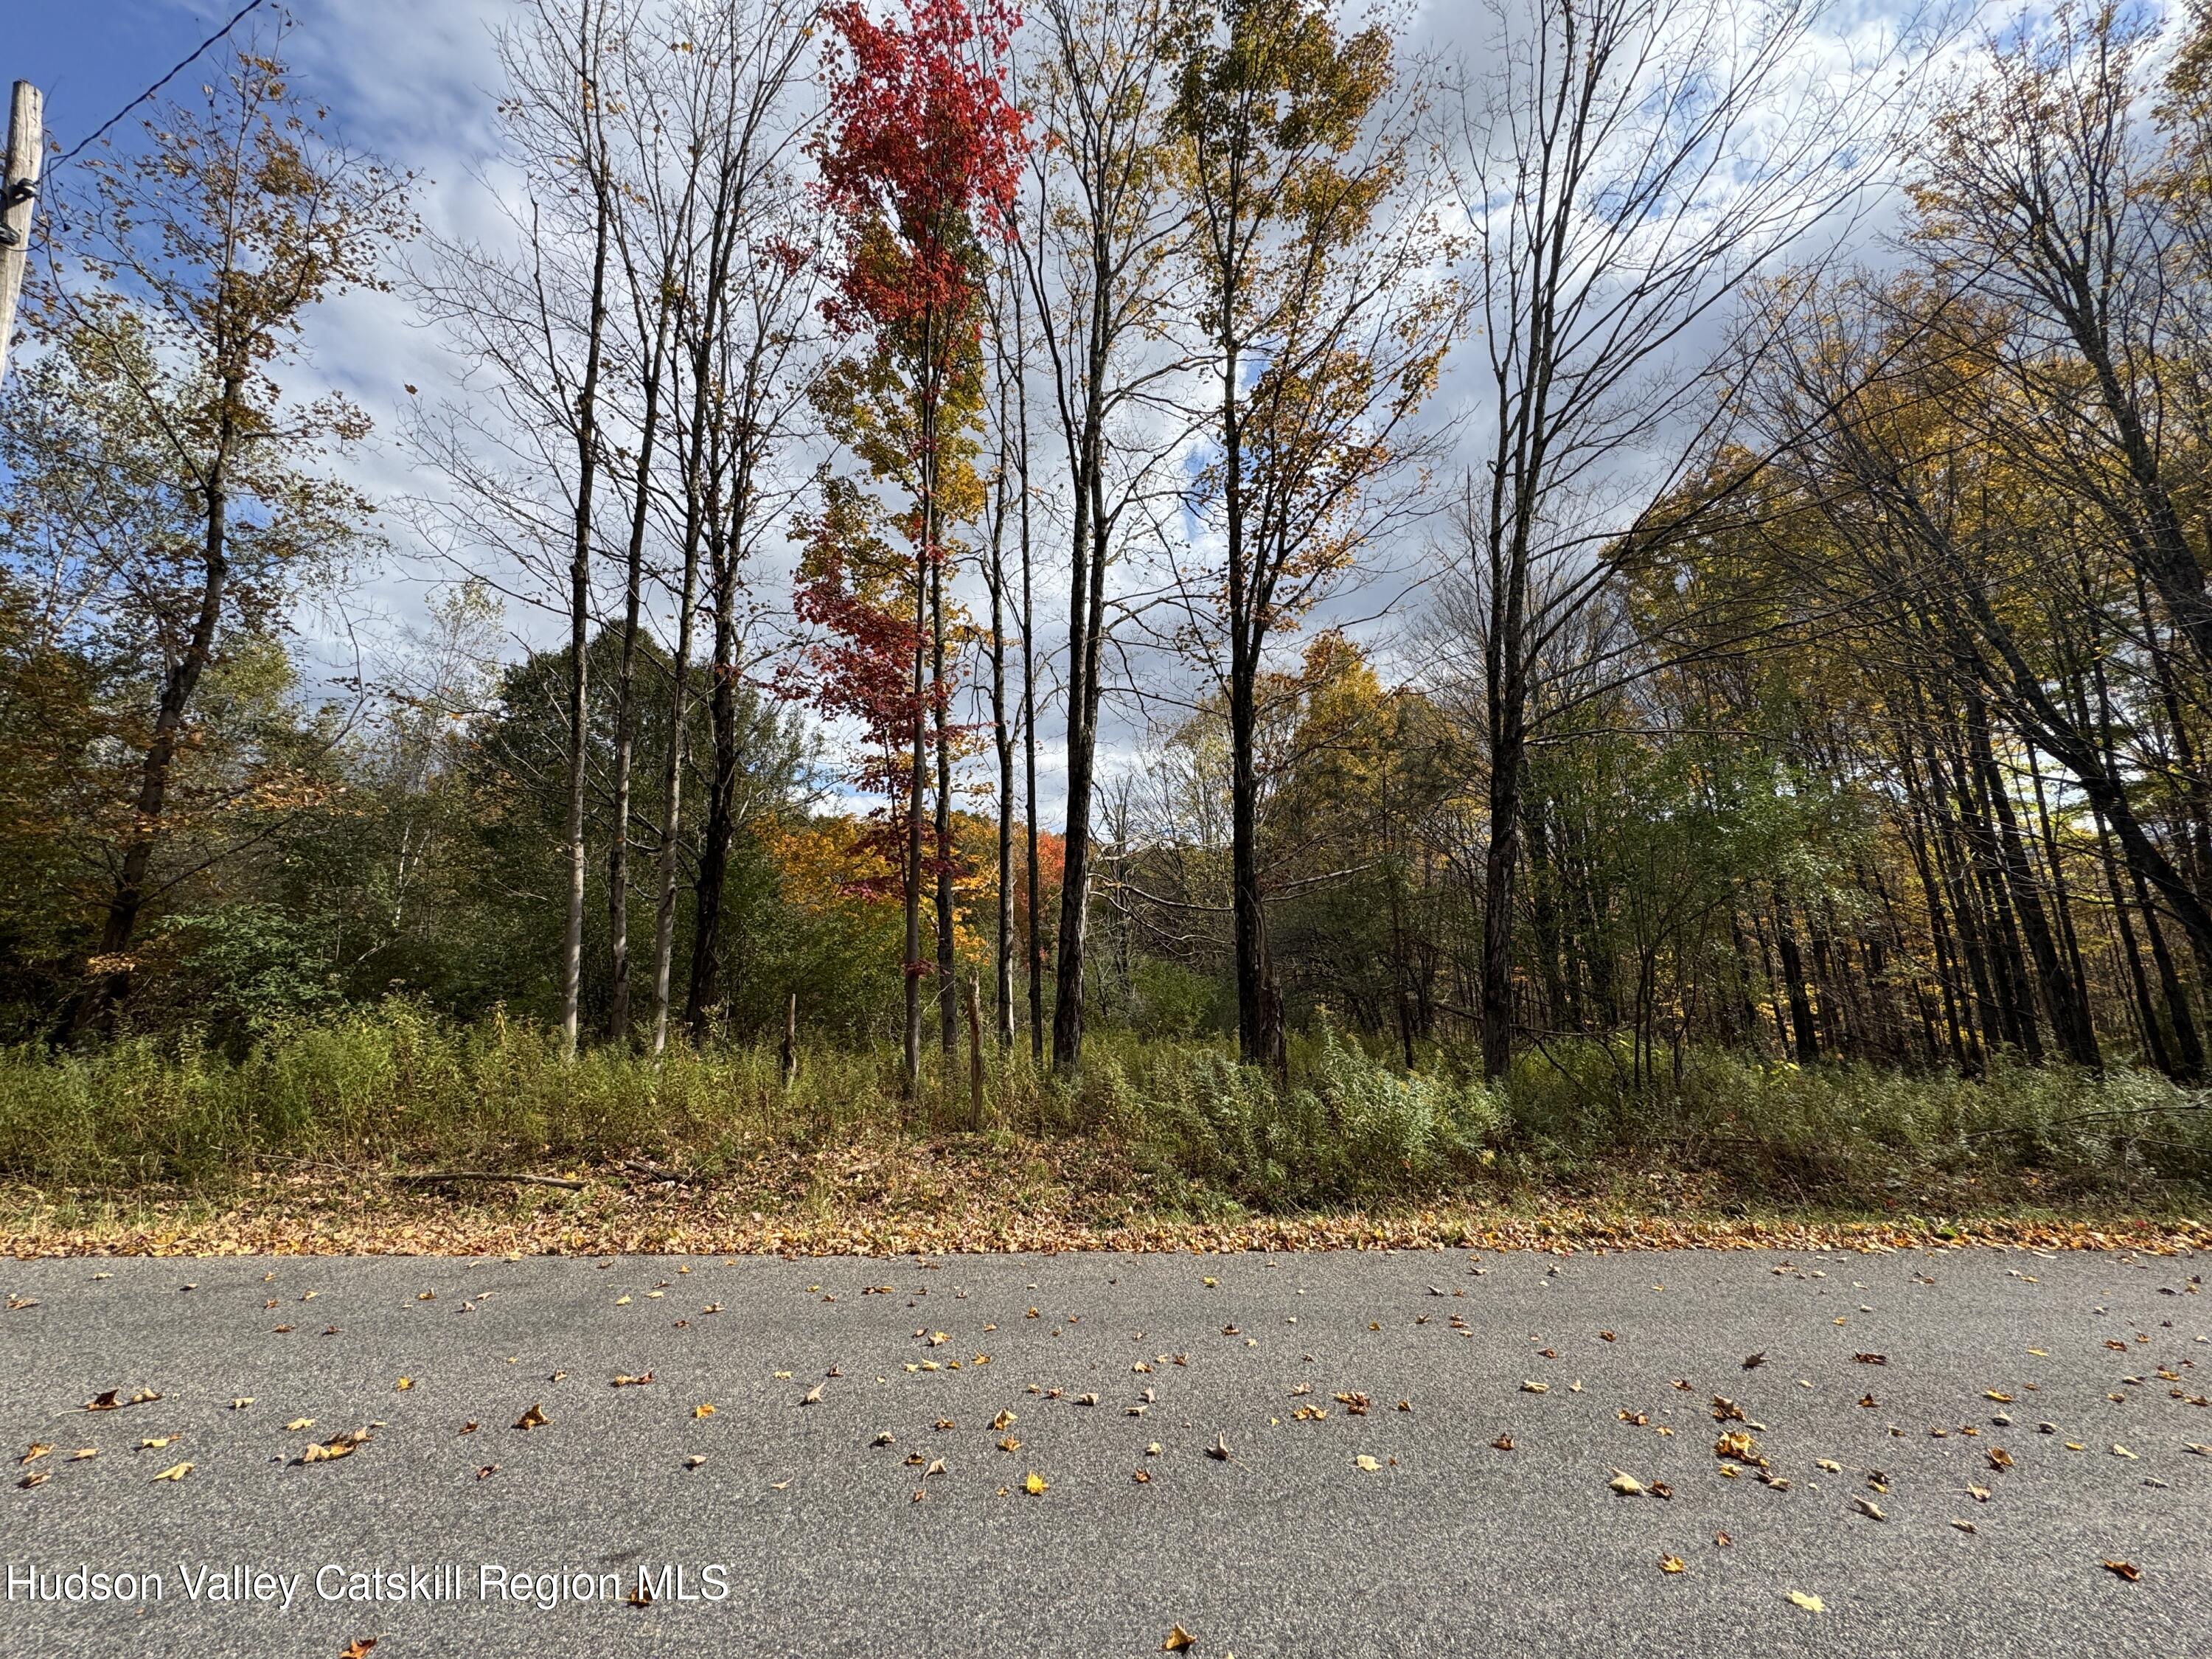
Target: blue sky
x,y
92,57
410,80
405,78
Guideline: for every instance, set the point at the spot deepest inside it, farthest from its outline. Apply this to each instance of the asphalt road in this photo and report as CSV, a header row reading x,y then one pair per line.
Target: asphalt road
x,y
800,1535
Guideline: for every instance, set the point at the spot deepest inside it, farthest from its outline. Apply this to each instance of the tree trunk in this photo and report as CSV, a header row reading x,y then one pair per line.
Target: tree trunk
x,y
108,977
2068,1022
626,705
941,697
706,992
672,821
1805,1034
1086,630
580,618
1035,944
917,762
1002,738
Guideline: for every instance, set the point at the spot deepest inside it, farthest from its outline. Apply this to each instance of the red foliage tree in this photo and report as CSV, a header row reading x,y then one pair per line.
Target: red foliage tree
x,y
917,161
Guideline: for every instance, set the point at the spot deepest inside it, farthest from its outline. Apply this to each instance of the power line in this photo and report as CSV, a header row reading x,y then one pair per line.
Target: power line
x,y
177,69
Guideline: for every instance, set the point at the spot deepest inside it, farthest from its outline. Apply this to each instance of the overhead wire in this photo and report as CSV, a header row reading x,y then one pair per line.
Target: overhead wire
x,y
175,69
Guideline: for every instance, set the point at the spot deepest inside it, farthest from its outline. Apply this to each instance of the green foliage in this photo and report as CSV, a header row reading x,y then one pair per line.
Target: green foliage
x,y
252,968
1169,1001
1850,1133
1353,1129
394,1083
397,1085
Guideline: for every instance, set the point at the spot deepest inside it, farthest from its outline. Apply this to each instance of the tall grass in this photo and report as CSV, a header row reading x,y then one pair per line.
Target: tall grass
x,y
395,1085
1858,1129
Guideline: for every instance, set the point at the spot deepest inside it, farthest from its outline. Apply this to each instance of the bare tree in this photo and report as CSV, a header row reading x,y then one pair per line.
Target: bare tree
x,y
1098,250
532,321
1627,165
735,333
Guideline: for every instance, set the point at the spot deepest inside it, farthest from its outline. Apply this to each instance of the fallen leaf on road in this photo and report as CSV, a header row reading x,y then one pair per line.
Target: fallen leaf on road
x,y
1366,1462
1671,1564
174,1471
705,1408
1535,1387
1625,1484
39,1448
1178,1638
2127,1569
1869,1508
1810,1603
1504,1442
534,1419
1036,1486
339,1445
358,1648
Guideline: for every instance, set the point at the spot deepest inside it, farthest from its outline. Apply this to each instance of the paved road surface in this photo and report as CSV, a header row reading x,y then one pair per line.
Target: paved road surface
x,y
801,1536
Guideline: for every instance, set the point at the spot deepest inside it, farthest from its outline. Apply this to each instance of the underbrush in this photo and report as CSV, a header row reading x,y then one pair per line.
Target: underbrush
x,y
398,1087
1861,1132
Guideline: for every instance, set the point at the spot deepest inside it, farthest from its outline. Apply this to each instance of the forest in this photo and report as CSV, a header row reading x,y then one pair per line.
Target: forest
x,y
1316,604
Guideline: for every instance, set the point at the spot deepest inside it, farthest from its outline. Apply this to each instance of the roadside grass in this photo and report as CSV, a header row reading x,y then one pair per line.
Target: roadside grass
x,y
1172,1131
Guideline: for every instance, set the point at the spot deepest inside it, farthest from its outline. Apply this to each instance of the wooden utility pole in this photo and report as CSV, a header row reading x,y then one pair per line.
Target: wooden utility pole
x,y
26,150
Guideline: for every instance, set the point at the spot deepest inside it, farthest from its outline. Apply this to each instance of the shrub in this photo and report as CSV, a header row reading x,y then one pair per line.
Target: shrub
x,y
1355,1129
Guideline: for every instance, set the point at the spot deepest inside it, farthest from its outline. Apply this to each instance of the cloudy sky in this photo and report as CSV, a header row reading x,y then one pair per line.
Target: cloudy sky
x,y
411,80
405,78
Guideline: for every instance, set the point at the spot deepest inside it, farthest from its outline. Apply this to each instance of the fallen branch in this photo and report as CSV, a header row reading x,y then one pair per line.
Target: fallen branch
x,y
654,1172
487,1174
2159,1109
